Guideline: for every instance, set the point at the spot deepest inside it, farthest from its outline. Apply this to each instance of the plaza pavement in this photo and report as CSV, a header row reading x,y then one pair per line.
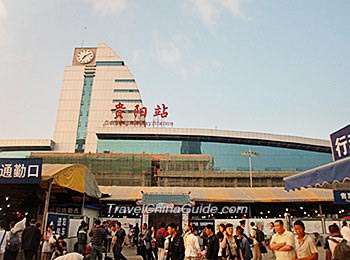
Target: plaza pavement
x,y
130,254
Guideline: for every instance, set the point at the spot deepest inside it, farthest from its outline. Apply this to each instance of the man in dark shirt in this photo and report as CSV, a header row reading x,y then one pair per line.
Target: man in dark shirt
x,y
82,239
213,243
176,249
30,240
97,235
120,242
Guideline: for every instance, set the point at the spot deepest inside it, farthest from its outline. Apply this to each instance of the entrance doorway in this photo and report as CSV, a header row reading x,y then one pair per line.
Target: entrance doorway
x,y
155,219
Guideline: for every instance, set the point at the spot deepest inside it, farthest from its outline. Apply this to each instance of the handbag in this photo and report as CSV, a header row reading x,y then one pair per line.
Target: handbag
x,y
263,249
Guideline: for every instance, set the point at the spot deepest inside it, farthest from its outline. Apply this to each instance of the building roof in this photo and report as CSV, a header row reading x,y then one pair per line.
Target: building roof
x,y
219,194
210,135
27,145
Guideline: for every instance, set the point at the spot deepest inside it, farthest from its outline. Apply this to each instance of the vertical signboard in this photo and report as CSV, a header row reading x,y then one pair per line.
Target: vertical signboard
x,y
341,143
59,223
20,171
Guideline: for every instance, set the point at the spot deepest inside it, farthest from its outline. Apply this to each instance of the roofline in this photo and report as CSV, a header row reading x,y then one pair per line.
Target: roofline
x,y
27,145
220,136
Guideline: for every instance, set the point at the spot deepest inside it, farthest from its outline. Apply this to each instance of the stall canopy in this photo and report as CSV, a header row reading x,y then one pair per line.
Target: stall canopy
x,y
76,177
213,194
331,173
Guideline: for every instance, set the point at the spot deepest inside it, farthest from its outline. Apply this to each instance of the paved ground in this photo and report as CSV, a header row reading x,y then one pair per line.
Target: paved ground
x,y
130,254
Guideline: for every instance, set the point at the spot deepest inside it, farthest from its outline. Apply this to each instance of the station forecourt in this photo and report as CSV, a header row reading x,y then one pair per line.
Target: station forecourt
x,y
101,125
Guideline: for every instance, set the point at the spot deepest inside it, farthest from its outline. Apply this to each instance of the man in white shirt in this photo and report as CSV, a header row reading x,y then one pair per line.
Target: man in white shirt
x,y
282,242
192,248
305,247
345,231
256,245
4,238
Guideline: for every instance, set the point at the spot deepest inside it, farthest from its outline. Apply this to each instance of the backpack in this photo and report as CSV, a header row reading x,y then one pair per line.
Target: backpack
x,y
260,236
341,250
15,243
160,239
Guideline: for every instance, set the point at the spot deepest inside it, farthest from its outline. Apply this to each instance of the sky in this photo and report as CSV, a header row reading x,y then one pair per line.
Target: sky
x,y
278,67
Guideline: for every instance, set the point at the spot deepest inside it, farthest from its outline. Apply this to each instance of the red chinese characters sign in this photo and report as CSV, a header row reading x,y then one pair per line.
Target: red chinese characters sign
x,y
140,114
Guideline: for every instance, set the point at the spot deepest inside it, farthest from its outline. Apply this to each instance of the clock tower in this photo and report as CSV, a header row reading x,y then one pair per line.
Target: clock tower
x,y
93,85
84,56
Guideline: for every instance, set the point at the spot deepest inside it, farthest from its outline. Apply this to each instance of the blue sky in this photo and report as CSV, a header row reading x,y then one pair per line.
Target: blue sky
x,y
278,67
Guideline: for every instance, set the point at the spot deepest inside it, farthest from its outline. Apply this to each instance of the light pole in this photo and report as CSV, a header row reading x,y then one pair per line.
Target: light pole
x,y
250,154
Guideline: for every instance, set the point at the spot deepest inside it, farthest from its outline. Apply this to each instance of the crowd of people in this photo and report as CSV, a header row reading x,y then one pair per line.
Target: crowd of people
x,y
170,243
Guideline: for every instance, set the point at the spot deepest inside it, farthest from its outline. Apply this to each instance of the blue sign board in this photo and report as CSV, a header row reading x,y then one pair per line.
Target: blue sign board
x,y
341,196
60,224
341,143
20,171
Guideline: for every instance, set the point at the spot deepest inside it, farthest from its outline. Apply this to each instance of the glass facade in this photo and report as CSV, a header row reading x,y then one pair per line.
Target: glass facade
x,y
84,114
227,157
110,63
124,80
126,90
127,100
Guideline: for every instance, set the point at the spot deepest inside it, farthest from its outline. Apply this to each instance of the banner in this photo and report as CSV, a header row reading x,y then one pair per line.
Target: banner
x,y
20,171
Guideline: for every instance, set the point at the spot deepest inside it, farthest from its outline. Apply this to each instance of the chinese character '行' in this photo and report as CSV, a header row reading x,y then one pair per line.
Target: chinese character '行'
x,y
341,144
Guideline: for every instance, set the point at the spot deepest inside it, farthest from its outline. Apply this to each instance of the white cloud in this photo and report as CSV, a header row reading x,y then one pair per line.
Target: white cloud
x,y
171,56
232,6
109,7
168,52
206,11
3,11
3,32
210,11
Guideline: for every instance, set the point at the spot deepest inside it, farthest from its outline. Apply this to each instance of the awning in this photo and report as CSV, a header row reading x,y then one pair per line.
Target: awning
x,y
213,194
331,173
176,199
72,176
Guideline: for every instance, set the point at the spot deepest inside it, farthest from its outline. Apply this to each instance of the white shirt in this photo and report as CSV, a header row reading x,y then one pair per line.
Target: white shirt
x,y
253,234
345,232
4,237
306,247
288,238
192,246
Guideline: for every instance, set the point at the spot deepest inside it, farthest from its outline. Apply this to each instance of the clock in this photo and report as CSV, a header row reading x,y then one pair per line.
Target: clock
x,y
85,56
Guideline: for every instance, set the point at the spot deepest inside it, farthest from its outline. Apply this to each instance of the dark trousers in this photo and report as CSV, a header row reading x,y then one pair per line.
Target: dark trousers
x,y
28,254
117,252
9,255
150,254
96,252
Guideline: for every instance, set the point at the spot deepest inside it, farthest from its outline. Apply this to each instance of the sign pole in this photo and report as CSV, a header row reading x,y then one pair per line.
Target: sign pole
x,y
47,202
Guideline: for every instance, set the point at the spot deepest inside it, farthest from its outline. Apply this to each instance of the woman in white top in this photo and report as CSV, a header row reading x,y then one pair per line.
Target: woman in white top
x,y
4,238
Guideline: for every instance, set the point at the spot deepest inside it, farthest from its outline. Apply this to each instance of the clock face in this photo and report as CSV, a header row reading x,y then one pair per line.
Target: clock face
x,y
85,56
